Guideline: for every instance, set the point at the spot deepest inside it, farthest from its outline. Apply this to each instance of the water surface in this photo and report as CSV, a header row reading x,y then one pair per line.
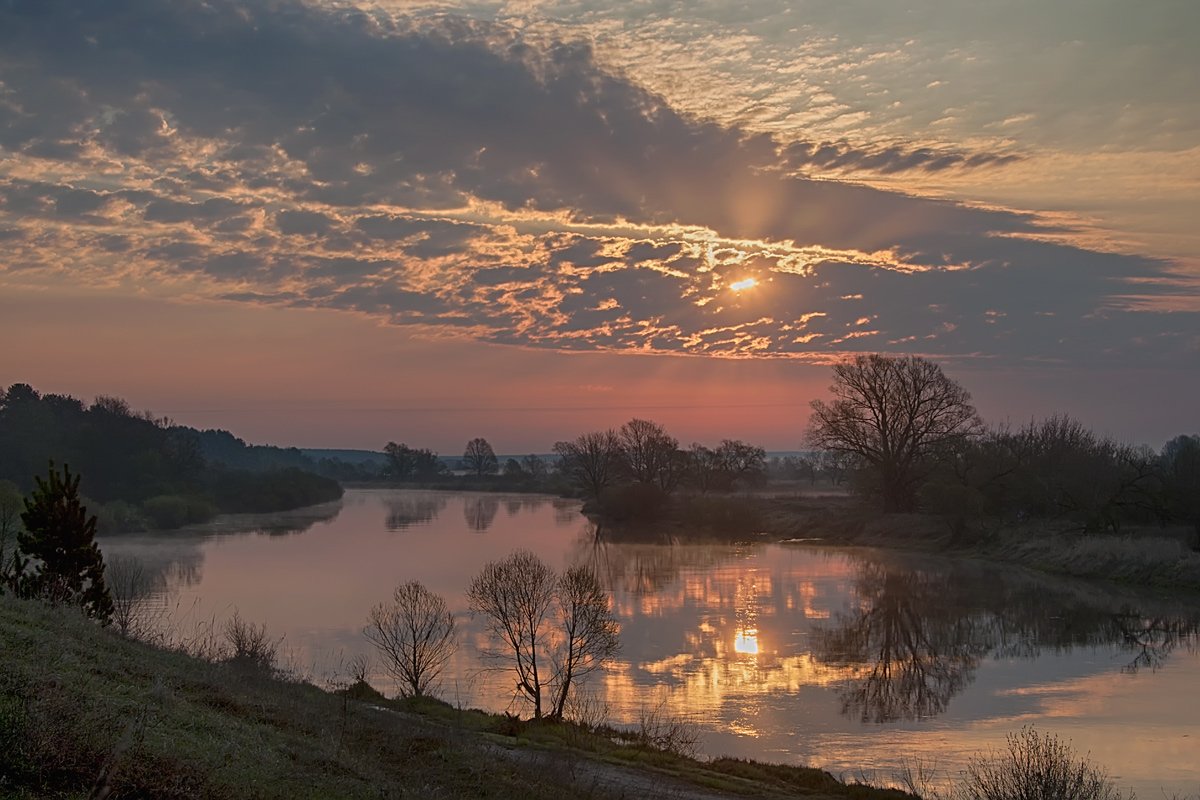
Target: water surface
x,y
854,661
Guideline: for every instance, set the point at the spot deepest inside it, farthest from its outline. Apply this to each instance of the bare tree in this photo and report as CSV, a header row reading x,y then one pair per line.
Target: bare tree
x,y
705,470
592,461
554,631
131,585
650,453
415,633
480,458
589,632
743,461
514,596
535,466
11,505
899,415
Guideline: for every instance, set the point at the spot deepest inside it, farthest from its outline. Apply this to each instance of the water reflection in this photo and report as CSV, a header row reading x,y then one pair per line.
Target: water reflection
x,y
783,652
916,637
479,512
409,510
908,648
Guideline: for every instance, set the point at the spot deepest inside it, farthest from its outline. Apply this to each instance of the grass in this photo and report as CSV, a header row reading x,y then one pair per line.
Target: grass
x,y
86,713
1141,556
1133,558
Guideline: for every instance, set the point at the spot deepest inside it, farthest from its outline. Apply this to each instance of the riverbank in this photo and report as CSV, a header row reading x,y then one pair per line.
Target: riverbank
x,y
1144,556
85,713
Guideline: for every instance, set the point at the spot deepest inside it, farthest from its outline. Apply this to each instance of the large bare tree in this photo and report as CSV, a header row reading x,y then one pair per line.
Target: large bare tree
x,y
651,454
552,630
514,596
589,632
415,633
900,415
480,458
592,462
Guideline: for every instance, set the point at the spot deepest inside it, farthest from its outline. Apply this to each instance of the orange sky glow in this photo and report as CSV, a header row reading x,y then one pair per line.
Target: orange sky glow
x,y
390,221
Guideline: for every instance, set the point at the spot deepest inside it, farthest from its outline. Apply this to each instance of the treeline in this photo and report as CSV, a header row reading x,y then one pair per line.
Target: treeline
x,y
141,471
915,442
634,473
1057,469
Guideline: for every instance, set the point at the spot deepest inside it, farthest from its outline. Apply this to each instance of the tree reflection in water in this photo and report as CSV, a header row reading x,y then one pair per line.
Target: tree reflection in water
x,y
645,565
908,648
917,636
405,511
480,511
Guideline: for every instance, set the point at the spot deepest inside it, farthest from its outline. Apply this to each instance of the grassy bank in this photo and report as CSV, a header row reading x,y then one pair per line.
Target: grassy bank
x,y
1145,555
1142,555
85,713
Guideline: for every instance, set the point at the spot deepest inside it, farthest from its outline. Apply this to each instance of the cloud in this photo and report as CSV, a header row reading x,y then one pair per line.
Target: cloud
x,y
452,174
887,160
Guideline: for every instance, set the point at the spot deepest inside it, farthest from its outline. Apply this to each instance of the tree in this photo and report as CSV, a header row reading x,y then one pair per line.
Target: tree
x,y
650,453
592,461
535,466
401,460
415,634
705,470
10,523
899,415
130,583
405,463
1180,461
554,630
479,458
513,596
743,461
589,632
58,546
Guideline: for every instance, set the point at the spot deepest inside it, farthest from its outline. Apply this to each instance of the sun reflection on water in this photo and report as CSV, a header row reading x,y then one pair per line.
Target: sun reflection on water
x,y
746,642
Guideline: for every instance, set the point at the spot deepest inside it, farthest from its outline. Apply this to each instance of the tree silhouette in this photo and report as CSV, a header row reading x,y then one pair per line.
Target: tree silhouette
x,y
592,461
912,649
480,458
415,633
650,453
60,561
899,415
553,630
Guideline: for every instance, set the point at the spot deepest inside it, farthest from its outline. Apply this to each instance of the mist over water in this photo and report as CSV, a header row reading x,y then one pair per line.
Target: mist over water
x,y
847,660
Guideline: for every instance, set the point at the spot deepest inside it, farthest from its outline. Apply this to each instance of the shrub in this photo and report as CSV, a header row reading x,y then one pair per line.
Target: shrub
x,y
249,645
175,511
1035,767
119,517
657,730
729,514
632,502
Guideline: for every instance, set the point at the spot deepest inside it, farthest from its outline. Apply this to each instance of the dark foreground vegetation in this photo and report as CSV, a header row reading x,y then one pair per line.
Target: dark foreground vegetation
x,y
146,472
85,712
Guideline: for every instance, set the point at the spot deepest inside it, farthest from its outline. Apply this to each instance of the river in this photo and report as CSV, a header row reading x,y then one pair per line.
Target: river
x,y
855,661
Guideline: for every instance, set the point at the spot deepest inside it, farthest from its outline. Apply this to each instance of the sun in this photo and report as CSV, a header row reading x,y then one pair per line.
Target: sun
x,y
743,284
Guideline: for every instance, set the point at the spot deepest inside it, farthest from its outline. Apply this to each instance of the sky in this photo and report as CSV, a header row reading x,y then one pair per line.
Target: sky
x,y
337,224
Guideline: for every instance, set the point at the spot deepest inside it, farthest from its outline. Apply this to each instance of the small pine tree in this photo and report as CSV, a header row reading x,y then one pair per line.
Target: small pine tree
x,y
59,560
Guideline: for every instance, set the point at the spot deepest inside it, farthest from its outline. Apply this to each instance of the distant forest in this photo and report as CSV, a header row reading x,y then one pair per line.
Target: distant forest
x,y
141,472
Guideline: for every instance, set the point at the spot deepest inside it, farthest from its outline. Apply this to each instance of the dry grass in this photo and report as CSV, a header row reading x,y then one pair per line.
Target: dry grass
x,y
86,712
